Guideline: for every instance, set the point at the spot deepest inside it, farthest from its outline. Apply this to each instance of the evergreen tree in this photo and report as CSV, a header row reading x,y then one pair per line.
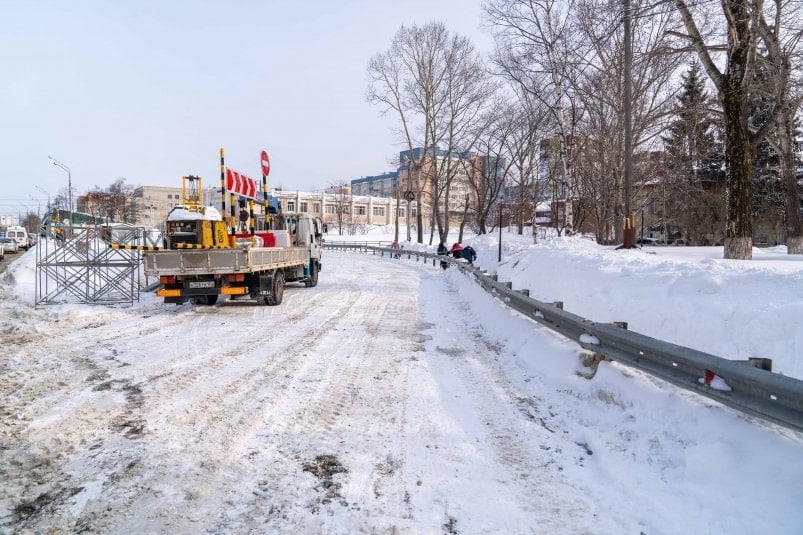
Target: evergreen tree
x,y
694,159
693,149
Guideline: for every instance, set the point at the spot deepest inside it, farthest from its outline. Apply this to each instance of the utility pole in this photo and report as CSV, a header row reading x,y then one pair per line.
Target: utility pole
x,y
629,231
501,205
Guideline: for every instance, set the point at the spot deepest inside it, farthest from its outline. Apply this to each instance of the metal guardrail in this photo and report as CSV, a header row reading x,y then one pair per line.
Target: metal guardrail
x,y
755,391
356,244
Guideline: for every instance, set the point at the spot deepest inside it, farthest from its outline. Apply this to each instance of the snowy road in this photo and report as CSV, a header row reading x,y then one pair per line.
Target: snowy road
x,y
378,401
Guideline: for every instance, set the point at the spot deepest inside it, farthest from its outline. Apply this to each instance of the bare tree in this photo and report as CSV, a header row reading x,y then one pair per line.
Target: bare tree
x,y
534,49
489,172
742,21
113,203
436,83
531,121
342,206
781,37
598,86
469,90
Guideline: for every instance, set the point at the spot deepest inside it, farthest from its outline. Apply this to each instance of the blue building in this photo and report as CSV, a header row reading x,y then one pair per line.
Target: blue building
x,y
383,185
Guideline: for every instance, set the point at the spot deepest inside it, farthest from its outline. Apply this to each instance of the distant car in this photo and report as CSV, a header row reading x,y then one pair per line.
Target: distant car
x,y
9,245
679,242
647,241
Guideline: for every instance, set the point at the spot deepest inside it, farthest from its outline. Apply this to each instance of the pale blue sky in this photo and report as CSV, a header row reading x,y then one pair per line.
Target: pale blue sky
x,y
150,90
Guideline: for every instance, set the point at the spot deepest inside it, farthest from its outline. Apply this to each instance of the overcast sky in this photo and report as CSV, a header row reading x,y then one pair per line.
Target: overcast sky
x,y
151,90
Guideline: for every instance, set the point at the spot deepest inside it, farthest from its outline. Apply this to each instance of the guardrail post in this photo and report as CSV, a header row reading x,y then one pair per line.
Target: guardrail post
x,y
760,363
621,324
508,285
494,277
525,292
558,304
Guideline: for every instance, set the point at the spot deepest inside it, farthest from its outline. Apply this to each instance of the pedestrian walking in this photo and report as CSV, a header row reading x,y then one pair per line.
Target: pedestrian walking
x,y
442,250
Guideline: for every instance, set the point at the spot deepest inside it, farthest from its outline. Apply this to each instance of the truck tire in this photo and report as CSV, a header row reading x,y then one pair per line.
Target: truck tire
x,y
277,290
312,281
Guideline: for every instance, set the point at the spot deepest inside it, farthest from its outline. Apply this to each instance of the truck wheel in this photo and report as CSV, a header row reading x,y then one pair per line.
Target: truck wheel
x,y
277,291
312,281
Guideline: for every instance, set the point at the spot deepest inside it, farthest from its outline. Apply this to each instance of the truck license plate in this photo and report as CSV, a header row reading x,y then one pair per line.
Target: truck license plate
x,y
202,284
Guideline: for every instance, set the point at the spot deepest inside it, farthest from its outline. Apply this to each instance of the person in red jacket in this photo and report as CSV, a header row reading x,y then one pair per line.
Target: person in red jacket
x,y
457,250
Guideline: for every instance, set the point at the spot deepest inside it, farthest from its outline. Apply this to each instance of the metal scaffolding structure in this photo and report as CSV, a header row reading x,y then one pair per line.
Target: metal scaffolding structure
x,y
78,265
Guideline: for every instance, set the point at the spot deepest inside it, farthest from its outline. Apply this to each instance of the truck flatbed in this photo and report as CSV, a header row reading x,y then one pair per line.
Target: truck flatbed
x,y
222,261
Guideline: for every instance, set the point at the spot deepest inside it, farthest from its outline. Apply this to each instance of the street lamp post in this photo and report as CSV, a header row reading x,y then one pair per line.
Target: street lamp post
x,y
501,201
69,183
20,219
38,207
46,193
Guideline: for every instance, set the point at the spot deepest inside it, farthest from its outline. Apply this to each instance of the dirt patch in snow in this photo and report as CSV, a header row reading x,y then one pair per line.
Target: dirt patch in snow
x,y
325,467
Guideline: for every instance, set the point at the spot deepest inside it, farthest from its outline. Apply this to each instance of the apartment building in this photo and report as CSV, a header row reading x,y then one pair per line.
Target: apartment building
x,y
419,172
155,202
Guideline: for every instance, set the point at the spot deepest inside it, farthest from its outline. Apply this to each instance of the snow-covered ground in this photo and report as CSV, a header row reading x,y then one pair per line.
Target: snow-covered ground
x,y
397,397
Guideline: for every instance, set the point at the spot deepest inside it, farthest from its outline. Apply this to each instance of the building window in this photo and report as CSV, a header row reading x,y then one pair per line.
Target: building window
x,y
360,210
414,212
331,209
379,210
316,208
291,206
400,212
303,207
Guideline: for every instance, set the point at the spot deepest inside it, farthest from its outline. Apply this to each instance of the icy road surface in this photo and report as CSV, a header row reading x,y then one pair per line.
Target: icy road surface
x,y
391,398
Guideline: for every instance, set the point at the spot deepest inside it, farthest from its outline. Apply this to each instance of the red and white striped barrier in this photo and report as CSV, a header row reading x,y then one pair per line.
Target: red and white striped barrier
x,y
240,184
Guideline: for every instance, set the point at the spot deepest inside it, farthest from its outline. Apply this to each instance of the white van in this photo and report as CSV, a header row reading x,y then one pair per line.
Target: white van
x,y
20,235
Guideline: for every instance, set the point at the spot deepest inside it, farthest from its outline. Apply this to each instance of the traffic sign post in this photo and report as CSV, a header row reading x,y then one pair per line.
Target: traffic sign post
x,y
409,196
265,163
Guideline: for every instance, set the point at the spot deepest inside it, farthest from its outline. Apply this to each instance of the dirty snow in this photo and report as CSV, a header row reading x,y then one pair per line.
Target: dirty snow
x,y
397,397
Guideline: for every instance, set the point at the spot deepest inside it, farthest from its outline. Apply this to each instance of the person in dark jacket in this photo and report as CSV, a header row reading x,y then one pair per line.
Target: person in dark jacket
x,y
442,250
469,254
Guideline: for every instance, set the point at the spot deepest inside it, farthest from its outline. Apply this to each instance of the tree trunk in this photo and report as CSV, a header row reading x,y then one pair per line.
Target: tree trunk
x,y
794,228
739,158
463,219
